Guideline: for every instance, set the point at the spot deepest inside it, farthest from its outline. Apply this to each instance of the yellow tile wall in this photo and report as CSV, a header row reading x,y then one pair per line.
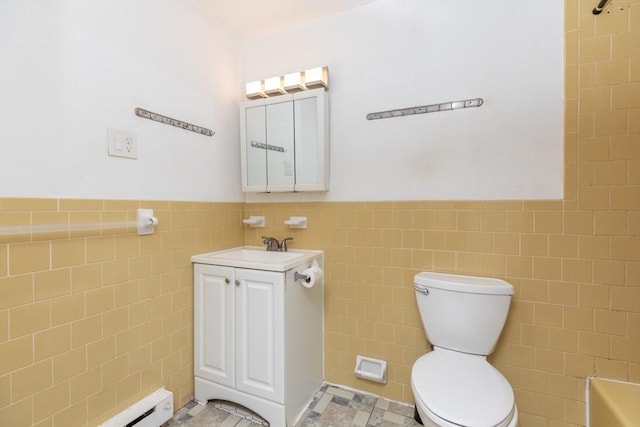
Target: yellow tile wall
x,y
92,321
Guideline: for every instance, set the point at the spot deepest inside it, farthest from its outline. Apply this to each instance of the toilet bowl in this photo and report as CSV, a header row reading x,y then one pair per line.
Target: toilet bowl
x,y
453,389
454,385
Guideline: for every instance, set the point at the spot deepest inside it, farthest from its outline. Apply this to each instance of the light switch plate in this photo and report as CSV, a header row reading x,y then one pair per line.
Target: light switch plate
x,y
122,143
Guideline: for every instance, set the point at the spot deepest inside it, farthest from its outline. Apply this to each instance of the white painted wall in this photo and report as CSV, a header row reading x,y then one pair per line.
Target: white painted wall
x,y
71,69
404,53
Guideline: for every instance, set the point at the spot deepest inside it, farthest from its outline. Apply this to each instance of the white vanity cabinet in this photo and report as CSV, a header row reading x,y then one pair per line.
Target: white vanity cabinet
x,y
285,143
241,318
257,337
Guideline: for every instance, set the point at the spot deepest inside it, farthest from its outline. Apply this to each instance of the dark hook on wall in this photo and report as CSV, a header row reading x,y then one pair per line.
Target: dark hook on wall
x,y
598,9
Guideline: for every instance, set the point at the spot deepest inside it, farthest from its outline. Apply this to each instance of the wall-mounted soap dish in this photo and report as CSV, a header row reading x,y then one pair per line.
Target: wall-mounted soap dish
x,y
297,222
371,369
255,221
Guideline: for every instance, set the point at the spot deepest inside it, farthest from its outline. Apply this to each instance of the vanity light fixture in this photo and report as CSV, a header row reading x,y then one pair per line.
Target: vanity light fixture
x,y
274,86
317,77
292,82
255,90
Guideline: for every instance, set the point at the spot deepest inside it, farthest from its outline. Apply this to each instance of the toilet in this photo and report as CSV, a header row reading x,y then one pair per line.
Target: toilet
x,y
454,385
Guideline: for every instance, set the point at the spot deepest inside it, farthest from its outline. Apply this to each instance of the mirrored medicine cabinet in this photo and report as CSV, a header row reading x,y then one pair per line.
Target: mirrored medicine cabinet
x,y
285,143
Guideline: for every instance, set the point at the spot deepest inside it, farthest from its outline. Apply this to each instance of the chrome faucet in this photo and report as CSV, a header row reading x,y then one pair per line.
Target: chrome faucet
x,y
271,242
273,245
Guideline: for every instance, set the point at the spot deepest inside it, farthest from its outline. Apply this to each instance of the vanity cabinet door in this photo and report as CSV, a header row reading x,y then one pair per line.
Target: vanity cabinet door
x,y
260,334
214,340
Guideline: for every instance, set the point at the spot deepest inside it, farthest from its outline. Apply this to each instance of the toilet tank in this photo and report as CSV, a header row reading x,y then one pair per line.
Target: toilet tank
x,y
462,313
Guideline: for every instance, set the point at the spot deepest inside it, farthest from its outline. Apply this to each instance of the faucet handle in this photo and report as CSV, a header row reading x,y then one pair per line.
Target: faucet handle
x,y
283,244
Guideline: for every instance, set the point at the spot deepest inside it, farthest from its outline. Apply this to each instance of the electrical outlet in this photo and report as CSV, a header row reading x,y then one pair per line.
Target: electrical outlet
x,y
122,143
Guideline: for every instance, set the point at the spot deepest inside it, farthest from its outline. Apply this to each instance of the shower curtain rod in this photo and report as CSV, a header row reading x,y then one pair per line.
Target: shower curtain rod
x,y
598,9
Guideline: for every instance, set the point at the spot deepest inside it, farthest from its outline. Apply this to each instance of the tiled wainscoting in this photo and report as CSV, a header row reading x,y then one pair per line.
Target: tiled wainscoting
x,y
92,321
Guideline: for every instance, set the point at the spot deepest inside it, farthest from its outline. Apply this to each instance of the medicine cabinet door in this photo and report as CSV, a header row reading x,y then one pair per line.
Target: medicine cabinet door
x,y
280,146
254,155
310,144
285,143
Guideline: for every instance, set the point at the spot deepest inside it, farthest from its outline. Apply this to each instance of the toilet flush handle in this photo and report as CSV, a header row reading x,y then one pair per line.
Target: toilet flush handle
x,y
422,289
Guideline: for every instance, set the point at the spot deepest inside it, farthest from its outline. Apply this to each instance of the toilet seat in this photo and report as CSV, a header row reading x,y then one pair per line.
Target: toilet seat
x,y
462,389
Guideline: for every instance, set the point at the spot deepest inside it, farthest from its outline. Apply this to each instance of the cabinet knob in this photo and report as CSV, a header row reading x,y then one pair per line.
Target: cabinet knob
x,y
237,282
226,280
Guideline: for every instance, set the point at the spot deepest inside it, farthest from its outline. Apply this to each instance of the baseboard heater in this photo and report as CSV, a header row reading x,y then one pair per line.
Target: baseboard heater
x,y
152,411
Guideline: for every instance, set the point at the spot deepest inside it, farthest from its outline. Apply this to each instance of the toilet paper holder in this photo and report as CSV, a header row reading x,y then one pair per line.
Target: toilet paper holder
x,y
299,276
309,276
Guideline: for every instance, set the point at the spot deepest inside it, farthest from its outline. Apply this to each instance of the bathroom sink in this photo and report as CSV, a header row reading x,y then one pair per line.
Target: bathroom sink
x,y
257,258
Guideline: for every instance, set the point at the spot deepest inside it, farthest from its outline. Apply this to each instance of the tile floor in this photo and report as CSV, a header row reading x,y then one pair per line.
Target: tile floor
x,y
330,407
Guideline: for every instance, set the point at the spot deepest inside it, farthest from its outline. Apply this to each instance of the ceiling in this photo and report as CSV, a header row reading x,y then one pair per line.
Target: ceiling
x,y
252,18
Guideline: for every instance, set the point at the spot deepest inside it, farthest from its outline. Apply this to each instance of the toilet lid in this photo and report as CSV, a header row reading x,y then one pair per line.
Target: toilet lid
x,y
461,388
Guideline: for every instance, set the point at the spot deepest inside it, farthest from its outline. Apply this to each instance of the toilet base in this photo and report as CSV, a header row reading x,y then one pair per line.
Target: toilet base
x,y
428,419
416,415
